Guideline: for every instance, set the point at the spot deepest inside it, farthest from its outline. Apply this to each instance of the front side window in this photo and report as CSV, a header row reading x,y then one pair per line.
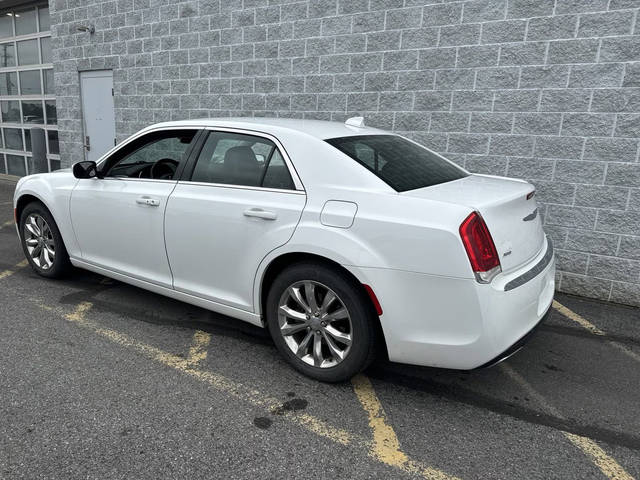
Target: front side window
x,y
401,164
156,155
238,159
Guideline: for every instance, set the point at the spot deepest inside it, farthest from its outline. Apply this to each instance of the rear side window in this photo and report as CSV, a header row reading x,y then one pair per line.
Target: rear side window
x,y
400,163
238,159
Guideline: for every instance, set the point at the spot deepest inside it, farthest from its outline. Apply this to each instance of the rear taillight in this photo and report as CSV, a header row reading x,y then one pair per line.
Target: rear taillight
x,y
480,248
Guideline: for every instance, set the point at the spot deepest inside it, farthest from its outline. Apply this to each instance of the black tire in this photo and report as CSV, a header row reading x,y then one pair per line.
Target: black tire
x,y
362,320
61,264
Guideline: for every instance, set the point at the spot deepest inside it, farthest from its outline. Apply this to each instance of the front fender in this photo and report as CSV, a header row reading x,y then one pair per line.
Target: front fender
x,y
54,191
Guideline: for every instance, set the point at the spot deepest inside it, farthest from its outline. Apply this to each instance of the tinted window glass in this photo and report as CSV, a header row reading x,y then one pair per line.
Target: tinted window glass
x,y
8,83
400,163
7,55
28,52
43,13
6,26
30,82
10,111
25,21
277,174
32,111
155,155
237,159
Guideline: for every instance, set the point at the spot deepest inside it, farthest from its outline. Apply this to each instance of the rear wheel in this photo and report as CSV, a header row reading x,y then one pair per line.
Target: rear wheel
x,y
42,243
321,322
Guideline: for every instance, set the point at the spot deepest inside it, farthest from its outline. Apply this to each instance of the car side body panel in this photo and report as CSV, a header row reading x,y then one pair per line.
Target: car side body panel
x,y
54,191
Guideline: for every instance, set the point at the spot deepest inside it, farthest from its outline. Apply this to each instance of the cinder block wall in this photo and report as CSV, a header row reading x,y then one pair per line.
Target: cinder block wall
x,y
547,90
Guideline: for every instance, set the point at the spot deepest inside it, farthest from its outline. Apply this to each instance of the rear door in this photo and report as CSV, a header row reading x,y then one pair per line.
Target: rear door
x,y
240,200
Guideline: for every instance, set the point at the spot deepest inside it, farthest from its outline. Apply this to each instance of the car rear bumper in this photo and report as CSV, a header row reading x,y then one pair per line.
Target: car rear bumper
x,y
459,323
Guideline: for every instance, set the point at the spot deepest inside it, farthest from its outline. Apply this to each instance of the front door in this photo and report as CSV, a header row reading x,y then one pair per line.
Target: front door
x,y
96,89
118,220
239,204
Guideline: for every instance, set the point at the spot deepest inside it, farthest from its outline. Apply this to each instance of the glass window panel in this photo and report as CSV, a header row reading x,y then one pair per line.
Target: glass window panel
x,y
45,23
7,55
53,142
25,21
55,164
16,165
28,52
48,81
27,141
2,167
37,165
6,30
10,111
13,138
32,111
52,113
30,82
8,83
45,44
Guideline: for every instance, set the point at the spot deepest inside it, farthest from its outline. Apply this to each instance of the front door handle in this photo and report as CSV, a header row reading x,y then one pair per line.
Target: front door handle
x,y
260,213
144,200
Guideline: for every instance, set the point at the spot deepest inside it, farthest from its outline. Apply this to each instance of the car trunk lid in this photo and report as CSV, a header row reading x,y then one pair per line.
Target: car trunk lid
x,y
508,209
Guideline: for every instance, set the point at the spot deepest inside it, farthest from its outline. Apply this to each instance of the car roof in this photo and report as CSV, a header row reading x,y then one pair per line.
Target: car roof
x,y
317,128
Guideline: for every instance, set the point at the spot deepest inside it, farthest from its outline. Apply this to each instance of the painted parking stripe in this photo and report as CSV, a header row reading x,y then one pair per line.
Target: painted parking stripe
x,y
244,393
386,446
607,465
198,350
18,266
7,224
583,322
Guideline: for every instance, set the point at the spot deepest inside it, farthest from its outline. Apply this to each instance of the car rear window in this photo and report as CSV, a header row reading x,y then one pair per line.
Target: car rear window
x,y
402,164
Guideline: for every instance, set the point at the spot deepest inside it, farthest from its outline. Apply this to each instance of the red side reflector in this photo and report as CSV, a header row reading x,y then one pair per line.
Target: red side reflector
x,y
479,244
373,298
15,216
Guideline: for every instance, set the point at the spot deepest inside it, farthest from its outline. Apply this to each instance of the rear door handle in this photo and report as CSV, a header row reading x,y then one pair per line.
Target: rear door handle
x,y
260,213
144,200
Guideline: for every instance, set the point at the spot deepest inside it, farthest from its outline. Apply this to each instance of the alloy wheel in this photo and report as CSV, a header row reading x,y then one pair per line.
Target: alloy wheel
x,y
38,239
315,324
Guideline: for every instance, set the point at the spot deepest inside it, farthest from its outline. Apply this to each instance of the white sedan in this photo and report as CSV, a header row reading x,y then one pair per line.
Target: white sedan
x,y
344,240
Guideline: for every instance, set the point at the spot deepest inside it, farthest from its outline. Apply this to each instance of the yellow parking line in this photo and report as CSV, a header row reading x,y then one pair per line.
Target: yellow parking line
x,y
198,349
8,273
6,224
246,394
597,455
385,446
571,315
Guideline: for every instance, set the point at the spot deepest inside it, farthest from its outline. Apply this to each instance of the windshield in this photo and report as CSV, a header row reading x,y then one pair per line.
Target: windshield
x,y
402,164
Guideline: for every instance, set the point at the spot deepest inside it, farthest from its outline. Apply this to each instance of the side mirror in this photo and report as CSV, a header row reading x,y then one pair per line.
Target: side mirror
x,y
86,169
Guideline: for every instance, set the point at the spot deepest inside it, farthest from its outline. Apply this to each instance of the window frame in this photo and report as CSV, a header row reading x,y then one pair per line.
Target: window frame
x,y
207,130
13,39
104,160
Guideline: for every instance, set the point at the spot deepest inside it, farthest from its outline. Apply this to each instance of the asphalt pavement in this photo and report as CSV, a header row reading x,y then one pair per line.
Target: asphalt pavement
x,y
99,379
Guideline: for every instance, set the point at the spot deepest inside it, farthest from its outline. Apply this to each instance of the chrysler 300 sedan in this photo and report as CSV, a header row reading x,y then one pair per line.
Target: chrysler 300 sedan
x,y
344,241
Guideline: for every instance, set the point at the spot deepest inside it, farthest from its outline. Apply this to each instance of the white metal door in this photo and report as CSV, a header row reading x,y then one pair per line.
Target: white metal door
x,y
217,236
119,225
97,112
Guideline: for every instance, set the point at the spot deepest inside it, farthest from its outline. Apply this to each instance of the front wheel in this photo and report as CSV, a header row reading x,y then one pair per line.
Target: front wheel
x,y
42,243
321,322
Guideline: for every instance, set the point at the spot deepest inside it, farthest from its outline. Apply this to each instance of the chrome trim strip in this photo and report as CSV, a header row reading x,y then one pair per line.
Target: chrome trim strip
x,y
241,187
530,274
